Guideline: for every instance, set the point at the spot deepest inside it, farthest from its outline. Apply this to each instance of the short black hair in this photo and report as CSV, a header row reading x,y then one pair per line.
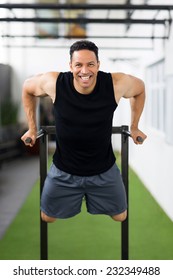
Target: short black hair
x,y
84,45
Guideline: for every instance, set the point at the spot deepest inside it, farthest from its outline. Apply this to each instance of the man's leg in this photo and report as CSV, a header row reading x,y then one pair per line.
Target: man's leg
x,y
46,218
120,217
61,196
105,194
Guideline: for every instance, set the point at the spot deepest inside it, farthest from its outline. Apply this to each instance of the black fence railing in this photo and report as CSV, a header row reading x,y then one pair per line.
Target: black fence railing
x,y
43,137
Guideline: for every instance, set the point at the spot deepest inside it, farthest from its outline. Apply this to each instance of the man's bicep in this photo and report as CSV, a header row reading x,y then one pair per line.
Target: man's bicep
x,y
133,86
33,86
48,84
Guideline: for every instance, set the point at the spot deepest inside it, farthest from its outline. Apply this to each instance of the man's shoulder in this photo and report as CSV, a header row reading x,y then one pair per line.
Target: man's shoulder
x,y
103,73
47,78
104,76
64,75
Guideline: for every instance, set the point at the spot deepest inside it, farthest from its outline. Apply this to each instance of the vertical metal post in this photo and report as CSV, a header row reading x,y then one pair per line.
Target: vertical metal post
x,y
43,174
125,177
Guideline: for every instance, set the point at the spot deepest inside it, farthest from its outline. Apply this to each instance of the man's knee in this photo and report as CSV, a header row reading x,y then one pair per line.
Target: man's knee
x,y
120,217
46,218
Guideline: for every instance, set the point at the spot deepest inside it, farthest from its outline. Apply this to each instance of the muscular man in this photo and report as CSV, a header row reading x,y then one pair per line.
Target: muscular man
x,y
84,164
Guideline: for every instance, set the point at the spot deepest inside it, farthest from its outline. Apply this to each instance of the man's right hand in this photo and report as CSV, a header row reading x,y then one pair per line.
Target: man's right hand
x,y
29,135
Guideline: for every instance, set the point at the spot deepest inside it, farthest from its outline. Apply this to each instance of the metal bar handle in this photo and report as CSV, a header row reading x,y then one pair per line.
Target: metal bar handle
x,y
40,133
138,138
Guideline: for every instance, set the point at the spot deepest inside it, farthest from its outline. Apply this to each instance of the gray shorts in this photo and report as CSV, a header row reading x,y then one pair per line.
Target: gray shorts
x,y
63,193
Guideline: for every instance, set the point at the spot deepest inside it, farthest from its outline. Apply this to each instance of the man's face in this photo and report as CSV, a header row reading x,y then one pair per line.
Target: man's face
x,y
84,67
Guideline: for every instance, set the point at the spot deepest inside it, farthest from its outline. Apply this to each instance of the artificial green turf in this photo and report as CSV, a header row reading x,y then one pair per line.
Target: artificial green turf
x,y
151,231
90,237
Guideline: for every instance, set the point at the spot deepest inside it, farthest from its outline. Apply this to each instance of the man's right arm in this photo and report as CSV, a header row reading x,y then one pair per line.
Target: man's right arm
x,y
38,86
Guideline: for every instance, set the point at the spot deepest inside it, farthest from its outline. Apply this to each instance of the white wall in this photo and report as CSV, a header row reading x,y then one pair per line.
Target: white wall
x,y
153,160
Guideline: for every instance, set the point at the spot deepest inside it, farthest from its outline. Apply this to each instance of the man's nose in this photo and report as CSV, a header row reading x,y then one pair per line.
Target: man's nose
x,y
84,69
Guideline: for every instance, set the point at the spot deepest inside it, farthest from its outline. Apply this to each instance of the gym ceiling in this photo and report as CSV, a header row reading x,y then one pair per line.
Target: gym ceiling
x,y
65,20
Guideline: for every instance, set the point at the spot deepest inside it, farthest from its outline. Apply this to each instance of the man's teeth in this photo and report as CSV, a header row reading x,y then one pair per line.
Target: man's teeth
x,y
85,78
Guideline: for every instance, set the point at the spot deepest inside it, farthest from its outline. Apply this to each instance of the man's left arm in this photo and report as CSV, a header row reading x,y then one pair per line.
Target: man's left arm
x,y
137,104
131,87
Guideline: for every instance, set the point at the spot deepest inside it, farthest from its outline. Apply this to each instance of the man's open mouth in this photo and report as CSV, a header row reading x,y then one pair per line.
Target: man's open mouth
x,y
85,78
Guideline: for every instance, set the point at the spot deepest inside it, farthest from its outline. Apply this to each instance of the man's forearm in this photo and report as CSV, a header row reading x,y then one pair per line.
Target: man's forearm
x,y
29,103
137,105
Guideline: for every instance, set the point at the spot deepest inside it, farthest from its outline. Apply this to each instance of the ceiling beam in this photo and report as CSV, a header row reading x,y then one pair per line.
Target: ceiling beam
x,y
80,37
85,6
85,20
67,47
128,14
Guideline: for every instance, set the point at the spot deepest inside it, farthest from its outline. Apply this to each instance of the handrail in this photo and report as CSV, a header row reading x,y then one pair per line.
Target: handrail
x,y
51,130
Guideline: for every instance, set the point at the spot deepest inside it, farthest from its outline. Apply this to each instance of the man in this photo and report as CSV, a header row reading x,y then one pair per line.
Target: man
x,y
84,163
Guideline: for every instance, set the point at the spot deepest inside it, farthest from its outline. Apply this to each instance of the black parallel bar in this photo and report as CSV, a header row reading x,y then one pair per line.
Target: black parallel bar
x,y
116,129
43,174
48,129
45,131
125,176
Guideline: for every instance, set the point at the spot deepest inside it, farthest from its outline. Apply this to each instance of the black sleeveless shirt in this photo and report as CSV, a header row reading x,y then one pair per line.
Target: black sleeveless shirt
x,y
84,126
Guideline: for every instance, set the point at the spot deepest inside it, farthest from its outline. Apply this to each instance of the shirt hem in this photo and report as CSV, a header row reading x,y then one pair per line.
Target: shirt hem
x,y
93,173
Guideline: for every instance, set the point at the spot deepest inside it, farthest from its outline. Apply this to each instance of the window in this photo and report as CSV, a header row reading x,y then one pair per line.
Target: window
x,y
156,96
